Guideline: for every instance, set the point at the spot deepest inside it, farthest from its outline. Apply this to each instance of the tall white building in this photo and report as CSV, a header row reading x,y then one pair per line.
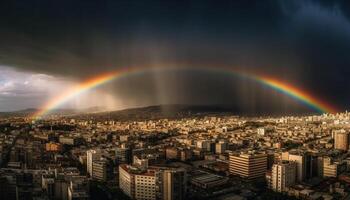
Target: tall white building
x,y
145,186
126,181
283,175
139,185
300,159
92,155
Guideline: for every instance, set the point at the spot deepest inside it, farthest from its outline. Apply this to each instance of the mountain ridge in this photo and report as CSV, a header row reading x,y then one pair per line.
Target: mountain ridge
x,y
154,111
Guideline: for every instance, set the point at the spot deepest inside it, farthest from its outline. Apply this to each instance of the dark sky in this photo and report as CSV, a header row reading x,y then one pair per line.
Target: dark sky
x,y
305,43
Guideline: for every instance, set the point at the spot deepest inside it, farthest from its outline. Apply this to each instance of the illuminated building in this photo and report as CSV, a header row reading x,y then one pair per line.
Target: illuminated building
x,y
137,184
92,155
341,141
248,165
283,175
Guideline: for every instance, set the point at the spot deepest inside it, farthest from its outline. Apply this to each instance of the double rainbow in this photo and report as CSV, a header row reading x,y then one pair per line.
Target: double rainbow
x,y
285,88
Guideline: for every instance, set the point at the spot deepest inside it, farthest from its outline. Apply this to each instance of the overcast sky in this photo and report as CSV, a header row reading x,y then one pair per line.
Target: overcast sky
x,y
48,46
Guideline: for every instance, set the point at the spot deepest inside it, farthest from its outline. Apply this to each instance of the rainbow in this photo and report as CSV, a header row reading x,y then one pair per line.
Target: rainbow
x,y
73,92
298,94
285,88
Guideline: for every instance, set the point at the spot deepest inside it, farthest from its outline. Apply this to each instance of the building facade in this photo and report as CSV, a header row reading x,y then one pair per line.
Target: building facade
x,y
137,184
248,165
341,141
92,155
283,175
171,184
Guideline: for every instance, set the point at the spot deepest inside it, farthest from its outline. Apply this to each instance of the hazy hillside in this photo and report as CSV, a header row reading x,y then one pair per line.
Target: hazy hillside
x,y
160,111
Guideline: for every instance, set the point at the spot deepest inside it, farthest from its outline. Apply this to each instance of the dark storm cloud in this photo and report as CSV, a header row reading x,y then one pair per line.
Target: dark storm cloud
x,y
67,36
303,42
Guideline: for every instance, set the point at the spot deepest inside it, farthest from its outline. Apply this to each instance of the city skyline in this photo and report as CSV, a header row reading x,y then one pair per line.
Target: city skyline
x,y
174,100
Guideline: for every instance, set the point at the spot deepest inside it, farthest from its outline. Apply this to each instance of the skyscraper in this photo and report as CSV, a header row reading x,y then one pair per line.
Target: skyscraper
x,y
101,170
126,181
171,184
137,184
92,155
283,175
123,155
220,147
78,188
299,158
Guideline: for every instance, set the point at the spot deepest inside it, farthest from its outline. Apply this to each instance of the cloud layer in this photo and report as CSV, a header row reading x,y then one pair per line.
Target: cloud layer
x,y
302,42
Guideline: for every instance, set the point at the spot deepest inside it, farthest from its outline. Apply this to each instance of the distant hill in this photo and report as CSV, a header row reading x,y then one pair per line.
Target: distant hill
x,y
18,113
31,111
151,112
161,111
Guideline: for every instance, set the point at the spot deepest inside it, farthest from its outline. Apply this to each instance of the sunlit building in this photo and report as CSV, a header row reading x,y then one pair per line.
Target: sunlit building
x,y
341,141
248,165
92,155
332,168
283,175
137,184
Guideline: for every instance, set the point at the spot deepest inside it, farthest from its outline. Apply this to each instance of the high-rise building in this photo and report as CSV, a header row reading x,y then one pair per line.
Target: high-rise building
x,y
341,141
320,166
92,155
248,165
137,184
271,159
203,145
311,165
61,189
78,189
126,181
145,186
220,147
171,184
300,159
101,170
48,183
331,168
123,155
283,175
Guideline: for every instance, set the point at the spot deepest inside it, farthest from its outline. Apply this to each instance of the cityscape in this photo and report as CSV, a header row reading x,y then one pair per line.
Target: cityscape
x,y
174,100
203,156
